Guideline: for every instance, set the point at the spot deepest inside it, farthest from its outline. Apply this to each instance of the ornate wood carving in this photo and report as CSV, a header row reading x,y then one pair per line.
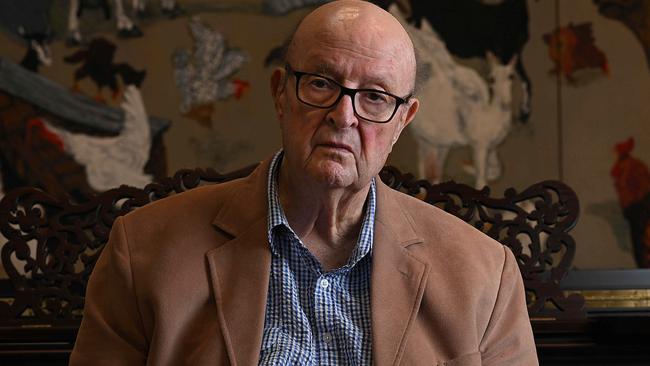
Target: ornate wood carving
x,y
534,223
53,245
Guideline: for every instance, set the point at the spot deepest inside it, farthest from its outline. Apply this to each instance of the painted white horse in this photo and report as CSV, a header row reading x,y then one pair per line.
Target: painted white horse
x,y
488,123
458,108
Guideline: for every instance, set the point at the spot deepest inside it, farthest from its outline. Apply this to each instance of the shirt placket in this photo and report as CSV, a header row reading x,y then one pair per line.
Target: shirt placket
x,y
326,317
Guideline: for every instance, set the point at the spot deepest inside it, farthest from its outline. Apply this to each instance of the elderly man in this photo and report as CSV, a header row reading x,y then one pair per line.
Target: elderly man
x,y
311,259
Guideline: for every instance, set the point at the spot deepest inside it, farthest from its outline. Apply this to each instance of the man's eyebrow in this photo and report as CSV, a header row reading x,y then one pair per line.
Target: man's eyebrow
x,y
326,69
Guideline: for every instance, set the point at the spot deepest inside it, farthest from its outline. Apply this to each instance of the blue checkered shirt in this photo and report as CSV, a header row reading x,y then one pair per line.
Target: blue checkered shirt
x,y
315,317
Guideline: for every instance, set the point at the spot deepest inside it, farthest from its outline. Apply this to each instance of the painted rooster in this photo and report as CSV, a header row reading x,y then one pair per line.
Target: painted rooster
x,y
632,182
204,75
96,62
573,48
116,160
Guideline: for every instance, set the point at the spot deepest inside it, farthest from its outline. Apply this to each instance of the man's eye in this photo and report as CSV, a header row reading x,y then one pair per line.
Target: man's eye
x,y
320,84
375,97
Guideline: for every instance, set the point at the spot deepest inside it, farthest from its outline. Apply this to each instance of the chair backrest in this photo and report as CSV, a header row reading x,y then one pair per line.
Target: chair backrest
x,y
53,244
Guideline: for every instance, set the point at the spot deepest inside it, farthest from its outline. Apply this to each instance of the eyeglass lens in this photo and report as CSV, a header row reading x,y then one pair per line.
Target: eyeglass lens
x,y
322,92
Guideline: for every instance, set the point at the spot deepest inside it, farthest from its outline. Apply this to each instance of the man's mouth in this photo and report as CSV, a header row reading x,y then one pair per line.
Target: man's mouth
x,y
337,146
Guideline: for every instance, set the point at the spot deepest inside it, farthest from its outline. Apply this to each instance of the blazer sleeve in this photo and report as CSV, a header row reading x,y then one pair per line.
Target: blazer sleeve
x,y
508,339
111,332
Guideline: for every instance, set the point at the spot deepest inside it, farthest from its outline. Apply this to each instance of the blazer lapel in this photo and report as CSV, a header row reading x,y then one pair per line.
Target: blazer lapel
x,y
239,268
240,279
398,278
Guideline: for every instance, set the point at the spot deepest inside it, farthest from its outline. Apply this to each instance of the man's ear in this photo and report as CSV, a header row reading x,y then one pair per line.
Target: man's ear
x,y
412,108
407,117
277,89
414,105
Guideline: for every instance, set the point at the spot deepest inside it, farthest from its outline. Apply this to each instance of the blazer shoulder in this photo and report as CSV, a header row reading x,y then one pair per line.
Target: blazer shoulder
x,y
202,200
445,235
207,201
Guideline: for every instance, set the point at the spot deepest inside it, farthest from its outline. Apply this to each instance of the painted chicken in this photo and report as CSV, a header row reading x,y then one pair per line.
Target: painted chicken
x,y
204,75
96,62
113,161
632,182
573,48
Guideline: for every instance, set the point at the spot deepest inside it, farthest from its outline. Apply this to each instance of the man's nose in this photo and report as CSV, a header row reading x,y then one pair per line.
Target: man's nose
x,y
342,113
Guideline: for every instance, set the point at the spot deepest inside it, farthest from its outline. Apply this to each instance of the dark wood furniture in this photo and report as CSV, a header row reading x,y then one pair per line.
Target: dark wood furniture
x,y
54,244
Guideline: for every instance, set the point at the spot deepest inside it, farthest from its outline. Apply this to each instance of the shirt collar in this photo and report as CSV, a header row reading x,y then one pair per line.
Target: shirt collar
x,y
276,217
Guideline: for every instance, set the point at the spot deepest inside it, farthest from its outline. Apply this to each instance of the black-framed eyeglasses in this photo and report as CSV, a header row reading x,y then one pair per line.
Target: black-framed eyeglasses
x,y
322,92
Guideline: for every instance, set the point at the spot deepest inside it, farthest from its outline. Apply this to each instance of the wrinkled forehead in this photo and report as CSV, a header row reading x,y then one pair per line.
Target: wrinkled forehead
x,y
338,32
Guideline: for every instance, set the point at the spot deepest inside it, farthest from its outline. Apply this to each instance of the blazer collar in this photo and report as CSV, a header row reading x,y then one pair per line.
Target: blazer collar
x,y
246,202
240,270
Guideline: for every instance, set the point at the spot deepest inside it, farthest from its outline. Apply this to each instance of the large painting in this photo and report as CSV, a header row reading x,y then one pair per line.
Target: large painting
x,y
97,93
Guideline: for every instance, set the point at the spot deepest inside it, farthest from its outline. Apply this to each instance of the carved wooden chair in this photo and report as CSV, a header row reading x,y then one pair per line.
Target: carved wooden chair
x,y
53,245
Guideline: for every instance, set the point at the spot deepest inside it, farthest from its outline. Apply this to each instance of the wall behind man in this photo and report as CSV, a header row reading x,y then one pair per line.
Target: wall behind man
x,y
570,135
574,127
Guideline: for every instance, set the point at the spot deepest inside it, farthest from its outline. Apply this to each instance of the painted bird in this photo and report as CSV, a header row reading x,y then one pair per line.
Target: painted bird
x,y
632,182
116,160
204,75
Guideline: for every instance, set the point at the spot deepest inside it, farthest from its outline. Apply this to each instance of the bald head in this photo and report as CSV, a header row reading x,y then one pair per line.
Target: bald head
x,y
351,64
358,26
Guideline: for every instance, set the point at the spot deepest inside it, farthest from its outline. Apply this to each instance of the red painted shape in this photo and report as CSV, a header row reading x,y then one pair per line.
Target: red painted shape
x,y
572,48
36,126
632,182
241,87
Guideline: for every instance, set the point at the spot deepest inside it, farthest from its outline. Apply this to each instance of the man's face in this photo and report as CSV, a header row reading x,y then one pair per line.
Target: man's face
x,y
333,145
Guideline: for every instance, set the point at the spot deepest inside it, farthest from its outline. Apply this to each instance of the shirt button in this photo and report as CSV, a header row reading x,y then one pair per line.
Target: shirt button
x,y
327,337
324,283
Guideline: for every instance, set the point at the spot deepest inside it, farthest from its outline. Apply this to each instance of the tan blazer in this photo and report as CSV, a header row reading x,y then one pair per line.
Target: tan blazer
x,y
183,281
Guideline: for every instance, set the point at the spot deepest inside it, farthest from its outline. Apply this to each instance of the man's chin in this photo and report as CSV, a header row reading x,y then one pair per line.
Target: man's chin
x,y
334,174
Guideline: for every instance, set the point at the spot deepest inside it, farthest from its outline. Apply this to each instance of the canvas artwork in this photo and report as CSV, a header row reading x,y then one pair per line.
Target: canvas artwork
x,y
98,93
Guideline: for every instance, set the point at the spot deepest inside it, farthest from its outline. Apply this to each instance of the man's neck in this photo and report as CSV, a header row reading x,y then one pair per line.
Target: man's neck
x,y
327,220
